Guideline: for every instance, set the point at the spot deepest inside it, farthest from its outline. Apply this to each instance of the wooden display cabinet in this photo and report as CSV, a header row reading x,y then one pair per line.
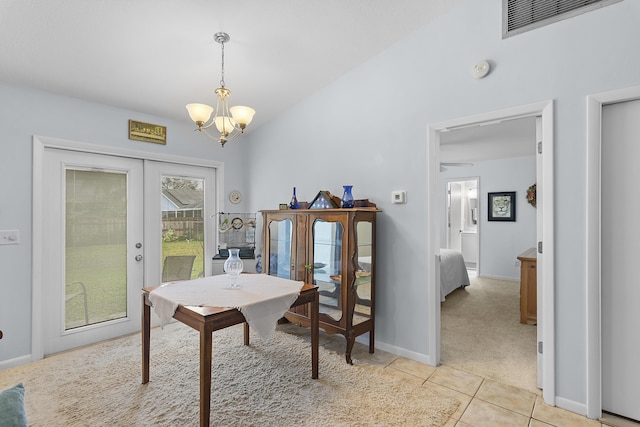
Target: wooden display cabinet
x,y
335,250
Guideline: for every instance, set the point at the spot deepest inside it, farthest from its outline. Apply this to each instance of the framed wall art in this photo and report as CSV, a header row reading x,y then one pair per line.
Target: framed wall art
x,y
502,206
140,131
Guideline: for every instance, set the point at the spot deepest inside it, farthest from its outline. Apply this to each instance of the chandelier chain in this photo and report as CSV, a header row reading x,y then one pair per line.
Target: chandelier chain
x,y
222,73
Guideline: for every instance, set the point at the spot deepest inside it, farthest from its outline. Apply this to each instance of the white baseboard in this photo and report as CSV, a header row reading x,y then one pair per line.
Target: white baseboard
x,y
570,405
508,279
12,363
399,351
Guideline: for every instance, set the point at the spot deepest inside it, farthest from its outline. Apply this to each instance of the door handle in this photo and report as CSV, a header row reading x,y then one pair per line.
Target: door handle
x,y
138,258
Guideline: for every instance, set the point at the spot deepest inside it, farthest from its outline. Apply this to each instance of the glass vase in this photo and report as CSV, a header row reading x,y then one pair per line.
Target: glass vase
x,y
233,267
347,197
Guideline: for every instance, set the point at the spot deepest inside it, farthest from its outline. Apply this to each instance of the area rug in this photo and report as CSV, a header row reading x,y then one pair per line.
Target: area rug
x,y
265,384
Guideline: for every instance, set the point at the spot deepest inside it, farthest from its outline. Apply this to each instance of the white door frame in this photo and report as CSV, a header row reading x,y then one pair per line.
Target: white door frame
x,y
545,110
40,143
593,267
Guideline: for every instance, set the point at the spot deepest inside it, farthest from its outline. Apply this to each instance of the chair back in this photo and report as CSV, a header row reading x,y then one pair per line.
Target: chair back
x,y
177,267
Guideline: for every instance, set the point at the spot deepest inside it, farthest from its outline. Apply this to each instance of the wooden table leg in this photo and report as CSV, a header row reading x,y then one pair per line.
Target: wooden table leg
x,y
315,334
146,338
372,347
206,341
246,333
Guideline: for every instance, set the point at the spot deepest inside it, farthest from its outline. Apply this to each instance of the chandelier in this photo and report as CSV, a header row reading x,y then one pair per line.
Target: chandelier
x,y
230,122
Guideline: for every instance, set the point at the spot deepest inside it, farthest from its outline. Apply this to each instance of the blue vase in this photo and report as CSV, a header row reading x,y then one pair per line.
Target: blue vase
x,y
293,204
347,197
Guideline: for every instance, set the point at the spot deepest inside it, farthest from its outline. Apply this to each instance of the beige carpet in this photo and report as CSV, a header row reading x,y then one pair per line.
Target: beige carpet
x,y
266,384
482,333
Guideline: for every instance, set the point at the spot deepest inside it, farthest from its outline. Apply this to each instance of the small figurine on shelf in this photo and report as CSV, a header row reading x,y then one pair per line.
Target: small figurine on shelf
x,y
293,204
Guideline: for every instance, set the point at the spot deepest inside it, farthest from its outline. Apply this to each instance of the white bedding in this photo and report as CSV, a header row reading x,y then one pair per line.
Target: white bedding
x,y
453,272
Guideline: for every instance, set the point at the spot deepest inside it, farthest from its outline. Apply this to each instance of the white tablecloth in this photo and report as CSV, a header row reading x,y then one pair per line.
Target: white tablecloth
x,y
262,299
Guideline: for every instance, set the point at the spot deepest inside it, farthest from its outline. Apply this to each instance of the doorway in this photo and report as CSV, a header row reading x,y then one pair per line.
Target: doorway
x,y
620,372
544,213
98,224
462,219
612,376
595,274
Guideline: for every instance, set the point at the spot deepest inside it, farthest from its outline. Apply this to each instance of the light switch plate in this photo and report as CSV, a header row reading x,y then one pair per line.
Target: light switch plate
x,y
9,237
398,197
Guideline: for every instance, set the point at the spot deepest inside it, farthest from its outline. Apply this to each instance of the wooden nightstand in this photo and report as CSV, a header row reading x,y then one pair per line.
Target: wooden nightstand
x,y
528,289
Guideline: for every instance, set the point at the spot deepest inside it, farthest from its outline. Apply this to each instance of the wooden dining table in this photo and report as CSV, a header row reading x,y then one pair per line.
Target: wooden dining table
x,y
206,320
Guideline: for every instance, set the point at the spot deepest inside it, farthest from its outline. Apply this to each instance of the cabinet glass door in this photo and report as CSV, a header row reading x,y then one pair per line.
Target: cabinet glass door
x,y
280,244
327,266
364,242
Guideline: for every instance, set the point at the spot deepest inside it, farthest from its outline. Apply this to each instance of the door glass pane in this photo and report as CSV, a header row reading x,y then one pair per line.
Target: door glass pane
x,y
364,241
182,228
327,266
280,249
95,247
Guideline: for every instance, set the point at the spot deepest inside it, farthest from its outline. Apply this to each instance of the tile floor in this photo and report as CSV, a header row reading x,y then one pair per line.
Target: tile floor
x,y
483,402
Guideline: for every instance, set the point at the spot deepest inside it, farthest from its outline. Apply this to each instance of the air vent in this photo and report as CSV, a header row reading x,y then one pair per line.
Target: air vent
x,y
519,16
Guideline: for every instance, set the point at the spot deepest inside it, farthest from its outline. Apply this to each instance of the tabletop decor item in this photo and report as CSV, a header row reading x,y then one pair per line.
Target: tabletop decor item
x,y
347,197
233,267
293,204
325,200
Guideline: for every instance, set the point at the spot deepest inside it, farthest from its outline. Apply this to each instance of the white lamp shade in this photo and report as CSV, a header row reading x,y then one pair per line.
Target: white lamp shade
x,y
241,114
225,124
199,112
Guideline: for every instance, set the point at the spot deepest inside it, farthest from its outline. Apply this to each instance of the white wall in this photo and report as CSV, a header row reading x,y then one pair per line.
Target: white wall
x,y
501,242
369,129
26,112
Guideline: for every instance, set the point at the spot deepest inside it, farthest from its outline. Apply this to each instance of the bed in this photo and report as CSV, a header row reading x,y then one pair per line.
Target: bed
x,y
453,272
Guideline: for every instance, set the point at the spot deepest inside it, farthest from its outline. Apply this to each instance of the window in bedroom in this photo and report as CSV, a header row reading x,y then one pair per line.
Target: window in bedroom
x,y
519,16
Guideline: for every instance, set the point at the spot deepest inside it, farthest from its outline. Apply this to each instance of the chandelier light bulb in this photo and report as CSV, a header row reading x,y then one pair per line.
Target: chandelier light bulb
x,y
199,112
242,115
225,125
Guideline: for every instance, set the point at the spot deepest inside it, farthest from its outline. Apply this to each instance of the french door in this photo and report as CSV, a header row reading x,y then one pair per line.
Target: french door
x,y
179,200
92,248
108,224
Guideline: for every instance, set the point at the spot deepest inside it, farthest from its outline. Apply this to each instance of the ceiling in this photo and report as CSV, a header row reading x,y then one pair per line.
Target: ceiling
x,y
507,139
156,56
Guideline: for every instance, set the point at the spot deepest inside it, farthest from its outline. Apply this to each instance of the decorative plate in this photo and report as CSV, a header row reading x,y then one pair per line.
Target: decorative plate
x,y
235,196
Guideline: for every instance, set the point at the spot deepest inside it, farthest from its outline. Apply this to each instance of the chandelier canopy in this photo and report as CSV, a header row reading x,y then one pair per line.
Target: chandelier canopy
x,y
230,122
